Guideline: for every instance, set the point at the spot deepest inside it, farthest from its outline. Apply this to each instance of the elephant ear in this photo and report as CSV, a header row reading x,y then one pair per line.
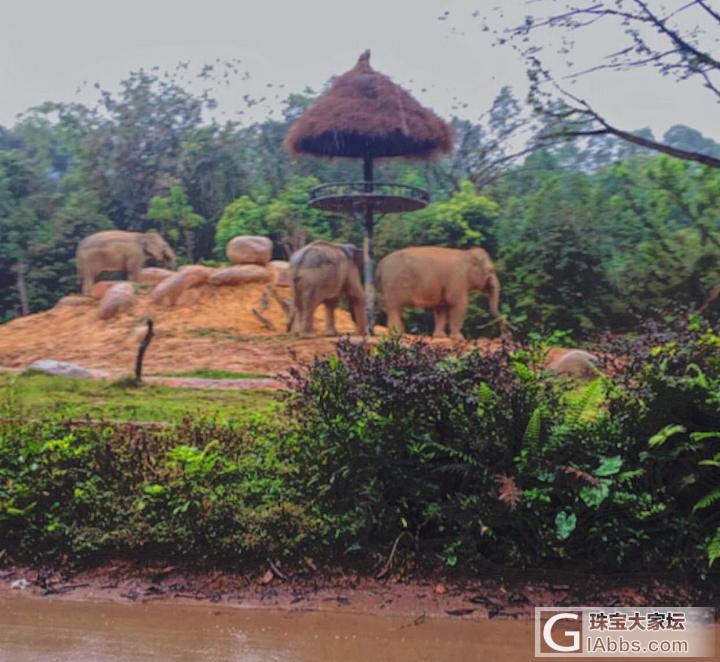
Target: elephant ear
x,y
151,246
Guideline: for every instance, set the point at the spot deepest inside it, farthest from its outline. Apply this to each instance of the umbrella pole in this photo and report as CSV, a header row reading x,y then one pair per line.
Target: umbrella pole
x,y
369,247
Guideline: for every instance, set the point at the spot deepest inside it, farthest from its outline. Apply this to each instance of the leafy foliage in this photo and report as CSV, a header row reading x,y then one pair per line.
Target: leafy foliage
x,y
479,459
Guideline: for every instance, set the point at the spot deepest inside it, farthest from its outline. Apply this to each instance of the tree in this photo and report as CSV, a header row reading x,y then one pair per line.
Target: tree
x,y
176,217
677,42
551,274
136,144
18,218
75,214
287,219
461,221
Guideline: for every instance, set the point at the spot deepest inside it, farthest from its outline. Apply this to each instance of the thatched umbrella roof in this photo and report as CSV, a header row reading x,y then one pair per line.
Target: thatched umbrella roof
x,y
365,114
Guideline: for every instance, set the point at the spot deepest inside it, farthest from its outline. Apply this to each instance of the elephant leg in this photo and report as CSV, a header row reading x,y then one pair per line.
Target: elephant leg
x,y
457,317
357,306
133,268
88,280
330,306
292,317
87,277
394,321
441,320
356,298
307,314
296,309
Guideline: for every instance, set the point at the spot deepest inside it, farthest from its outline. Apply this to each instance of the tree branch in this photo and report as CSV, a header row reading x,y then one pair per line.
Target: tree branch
x,y
677,39
609,129
710,11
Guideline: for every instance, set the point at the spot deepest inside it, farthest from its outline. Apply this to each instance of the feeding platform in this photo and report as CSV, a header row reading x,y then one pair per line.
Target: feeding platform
x,y
360,197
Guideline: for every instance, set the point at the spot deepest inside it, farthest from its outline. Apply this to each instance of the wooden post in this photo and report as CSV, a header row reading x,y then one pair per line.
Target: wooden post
x,y
369,247
141,350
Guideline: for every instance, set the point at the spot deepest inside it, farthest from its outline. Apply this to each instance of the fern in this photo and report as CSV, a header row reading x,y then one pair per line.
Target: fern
x,y
587,404
702,436
463,457
707,501
628,476
713,548
531,437
659,438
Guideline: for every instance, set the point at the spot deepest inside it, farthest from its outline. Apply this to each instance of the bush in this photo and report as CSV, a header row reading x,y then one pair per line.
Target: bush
x,y
198,490
475,460
485,458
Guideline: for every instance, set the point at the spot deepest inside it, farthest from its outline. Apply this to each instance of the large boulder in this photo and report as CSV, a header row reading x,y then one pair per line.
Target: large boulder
x,y
169,290
75,300
153,275
249,249
99,289
240,274
281,271
576,363
60,368
118,299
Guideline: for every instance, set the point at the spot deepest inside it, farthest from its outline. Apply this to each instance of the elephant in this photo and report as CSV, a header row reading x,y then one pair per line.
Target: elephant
x,y
115,250
437,278
320,273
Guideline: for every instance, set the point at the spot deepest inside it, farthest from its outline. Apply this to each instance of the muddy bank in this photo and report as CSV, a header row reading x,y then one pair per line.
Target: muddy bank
x,y
510,598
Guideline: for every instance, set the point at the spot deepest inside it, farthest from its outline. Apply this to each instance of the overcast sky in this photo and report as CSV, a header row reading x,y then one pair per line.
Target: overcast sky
x,y
50,48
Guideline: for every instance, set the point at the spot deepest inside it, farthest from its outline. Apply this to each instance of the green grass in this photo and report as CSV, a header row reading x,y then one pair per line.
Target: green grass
x,y
212,373
36,396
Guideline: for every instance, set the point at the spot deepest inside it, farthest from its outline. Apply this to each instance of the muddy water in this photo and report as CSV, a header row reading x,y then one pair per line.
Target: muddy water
x,y
33,629
54,630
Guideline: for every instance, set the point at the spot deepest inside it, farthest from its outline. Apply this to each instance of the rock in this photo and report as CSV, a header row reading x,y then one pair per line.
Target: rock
x,y
60,369
247,249
154,275
101,287
575,363
281,271
237,275
75,300
170,289
118,299
20,584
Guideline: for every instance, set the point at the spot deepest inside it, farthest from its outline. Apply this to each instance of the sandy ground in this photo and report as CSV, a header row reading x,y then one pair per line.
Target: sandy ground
x,y
208,328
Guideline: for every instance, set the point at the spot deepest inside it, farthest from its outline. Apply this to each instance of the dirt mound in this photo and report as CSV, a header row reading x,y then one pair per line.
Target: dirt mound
x,y
235,328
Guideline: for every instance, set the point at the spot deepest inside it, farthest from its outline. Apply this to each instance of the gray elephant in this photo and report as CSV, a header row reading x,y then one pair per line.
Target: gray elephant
x,y
437,278
320,273
114,250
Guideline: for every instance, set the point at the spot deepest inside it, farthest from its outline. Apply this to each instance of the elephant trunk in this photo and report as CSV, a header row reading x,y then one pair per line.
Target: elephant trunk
x,y
169,260
492,289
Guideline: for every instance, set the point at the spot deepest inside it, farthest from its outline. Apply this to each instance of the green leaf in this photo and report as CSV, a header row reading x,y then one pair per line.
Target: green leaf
x,y
609,466
154,490
594,496
707,501
663,435
701,436
713,548
565,524
534,426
